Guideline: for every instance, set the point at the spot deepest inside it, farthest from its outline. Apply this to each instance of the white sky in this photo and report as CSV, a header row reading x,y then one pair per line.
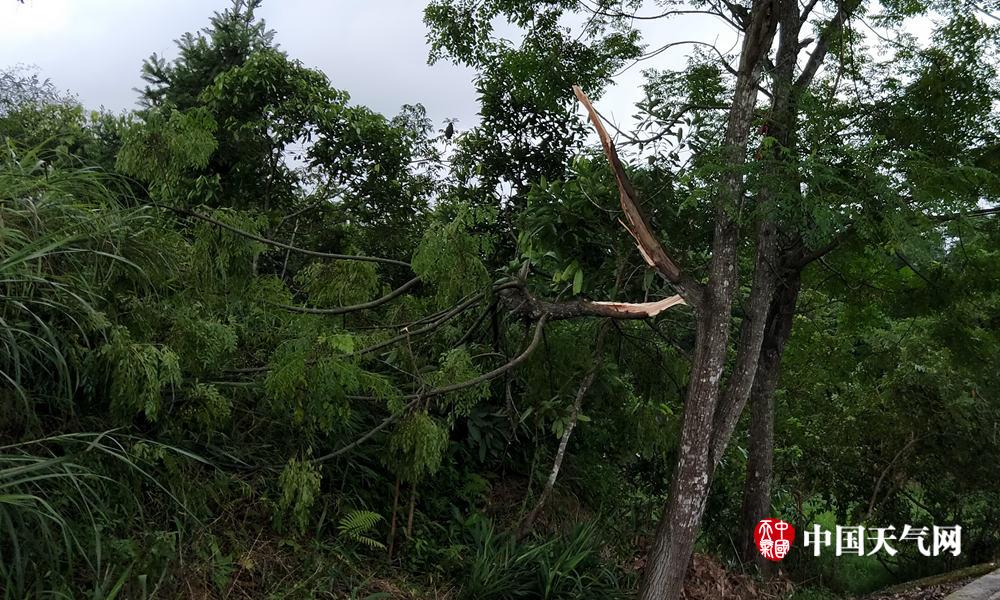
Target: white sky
x,y
374,49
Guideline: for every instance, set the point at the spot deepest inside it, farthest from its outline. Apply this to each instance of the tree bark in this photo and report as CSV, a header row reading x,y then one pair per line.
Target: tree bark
x,y
671,552
708,423
781,126
782,182
672,548
757,489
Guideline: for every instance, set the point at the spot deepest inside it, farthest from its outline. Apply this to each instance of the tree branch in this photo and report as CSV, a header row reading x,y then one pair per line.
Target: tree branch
x,y
983,212
885,472
806,11
804,257
476,380
669,13
637,224
431,326
832,29
521,302
585,384
277,244
416,398
340,310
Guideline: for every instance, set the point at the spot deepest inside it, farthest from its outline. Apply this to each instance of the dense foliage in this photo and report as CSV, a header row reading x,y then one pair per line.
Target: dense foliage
x,y
259,341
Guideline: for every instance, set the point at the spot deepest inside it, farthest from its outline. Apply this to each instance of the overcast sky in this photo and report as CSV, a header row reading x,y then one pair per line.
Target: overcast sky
x,y
374,49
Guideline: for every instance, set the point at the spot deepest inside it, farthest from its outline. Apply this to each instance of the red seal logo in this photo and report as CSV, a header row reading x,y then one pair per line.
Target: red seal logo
x,y
774,538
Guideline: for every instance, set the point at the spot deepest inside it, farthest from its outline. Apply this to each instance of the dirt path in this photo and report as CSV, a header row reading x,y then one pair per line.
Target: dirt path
x,y
931,592
936,587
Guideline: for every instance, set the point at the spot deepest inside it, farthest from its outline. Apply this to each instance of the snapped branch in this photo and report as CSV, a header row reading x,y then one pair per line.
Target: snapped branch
x,y
637,224
414,399
521,302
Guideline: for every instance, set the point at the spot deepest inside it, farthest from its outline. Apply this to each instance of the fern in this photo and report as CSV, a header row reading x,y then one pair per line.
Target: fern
x,y
357,523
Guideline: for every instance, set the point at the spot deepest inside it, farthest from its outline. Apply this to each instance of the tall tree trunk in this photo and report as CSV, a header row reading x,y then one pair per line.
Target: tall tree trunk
x,y
708,422
671,551
757,489
782,182
783,127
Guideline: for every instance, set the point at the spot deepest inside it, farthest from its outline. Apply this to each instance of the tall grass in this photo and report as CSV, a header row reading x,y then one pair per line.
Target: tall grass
x,y
57,505
63,232
563,567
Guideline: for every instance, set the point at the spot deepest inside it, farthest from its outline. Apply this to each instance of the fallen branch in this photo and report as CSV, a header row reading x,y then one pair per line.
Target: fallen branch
x,y
277,244
476,380
416,398
340,310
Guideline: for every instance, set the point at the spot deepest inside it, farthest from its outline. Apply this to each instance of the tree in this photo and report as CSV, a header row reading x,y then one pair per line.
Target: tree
x,y
788,197
264,133
527,132
935,152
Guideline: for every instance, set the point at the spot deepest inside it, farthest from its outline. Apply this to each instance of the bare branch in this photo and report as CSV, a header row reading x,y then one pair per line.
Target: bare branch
x,y
447,389
367,436
888,468
288,253
669,13
429,327
277,244
303,210
806,11
654,53
986,13
804,257
830,31
340,310
574,414
983,212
